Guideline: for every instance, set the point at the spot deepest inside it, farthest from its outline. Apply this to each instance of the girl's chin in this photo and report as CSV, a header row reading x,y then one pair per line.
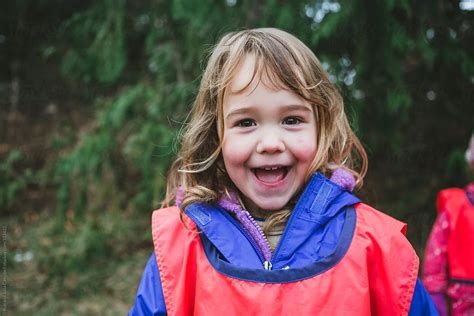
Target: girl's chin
x,y
272,207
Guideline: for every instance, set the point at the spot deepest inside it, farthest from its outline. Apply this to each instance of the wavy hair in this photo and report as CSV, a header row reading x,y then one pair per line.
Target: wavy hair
x,y
288,64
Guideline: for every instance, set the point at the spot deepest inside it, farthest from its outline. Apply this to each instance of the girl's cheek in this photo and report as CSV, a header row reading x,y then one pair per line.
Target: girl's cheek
x,y
235,149
236,139
234,152
305,149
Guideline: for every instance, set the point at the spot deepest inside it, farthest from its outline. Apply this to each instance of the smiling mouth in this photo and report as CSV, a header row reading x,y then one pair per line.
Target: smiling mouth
x,y
270,174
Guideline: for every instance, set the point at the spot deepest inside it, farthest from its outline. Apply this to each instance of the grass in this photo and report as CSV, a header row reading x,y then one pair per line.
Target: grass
x,y
46,276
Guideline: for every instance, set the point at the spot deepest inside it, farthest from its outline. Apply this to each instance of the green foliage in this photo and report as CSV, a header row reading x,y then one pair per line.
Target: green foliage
x,y
12,182
372,51
97,43
404,68
83,244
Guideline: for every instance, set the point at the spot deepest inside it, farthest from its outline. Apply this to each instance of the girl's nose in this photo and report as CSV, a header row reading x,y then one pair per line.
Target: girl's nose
x,y
270,142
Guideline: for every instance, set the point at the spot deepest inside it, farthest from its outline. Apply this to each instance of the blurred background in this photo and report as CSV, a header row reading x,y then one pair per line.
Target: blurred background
x,y
92,94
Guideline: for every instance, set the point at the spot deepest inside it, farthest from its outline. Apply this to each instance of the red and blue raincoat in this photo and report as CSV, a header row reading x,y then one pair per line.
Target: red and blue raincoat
x,y
336,256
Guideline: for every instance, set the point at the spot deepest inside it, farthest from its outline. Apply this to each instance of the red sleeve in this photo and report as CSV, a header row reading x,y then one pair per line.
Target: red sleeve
x,y
435,269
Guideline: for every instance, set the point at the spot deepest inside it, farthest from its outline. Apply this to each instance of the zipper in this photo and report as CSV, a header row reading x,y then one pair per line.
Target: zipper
x,y
261,235
255,236
267,265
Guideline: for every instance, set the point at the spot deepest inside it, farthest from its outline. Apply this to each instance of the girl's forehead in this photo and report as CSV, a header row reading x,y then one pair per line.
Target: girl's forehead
x,y
250,72
243,74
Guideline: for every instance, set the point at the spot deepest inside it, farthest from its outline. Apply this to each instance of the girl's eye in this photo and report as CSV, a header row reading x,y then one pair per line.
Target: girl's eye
x,y
246,123
292,120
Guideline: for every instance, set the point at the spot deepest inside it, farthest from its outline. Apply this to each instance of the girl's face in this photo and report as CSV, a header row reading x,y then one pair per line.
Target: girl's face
x,y
269,139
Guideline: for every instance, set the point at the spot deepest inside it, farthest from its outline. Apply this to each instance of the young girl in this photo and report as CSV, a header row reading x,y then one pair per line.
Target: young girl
x,y
266,129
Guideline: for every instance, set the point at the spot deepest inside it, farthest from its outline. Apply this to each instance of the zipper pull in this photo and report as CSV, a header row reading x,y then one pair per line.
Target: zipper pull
x,y
267,265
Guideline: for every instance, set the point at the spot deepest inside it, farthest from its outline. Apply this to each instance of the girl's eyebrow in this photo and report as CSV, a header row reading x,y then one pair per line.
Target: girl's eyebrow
x,y
285,108
239,110
301,107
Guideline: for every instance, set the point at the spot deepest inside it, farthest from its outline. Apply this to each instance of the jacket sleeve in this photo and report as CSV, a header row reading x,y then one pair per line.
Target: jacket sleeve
x,y
421,303
435,265
149,300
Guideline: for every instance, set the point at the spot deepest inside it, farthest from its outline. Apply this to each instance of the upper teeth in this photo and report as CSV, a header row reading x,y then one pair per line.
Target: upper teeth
x,y
271,168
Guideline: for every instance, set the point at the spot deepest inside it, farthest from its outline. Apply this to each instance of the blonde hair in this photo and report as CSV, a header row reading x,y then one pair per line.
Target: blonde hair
x,y
289,64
